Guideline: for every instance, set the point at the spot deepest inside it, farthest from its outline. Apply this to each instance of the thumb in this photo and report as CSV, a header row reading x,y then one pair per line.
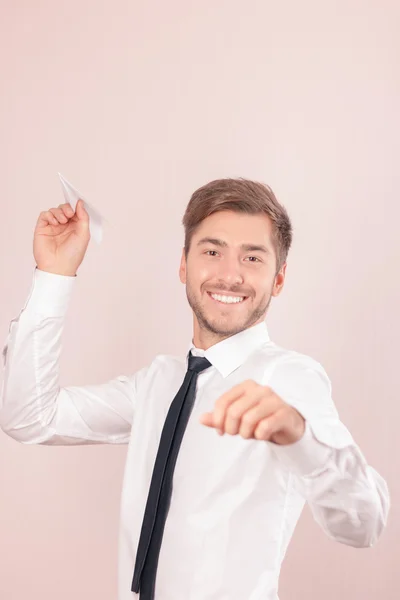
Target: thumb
x,y
207,419
80,211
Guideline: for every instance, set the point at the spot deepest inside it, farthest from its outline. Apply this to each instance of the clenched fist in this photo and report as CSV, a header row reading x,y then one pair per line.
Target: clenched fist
x,y
255,411
61,239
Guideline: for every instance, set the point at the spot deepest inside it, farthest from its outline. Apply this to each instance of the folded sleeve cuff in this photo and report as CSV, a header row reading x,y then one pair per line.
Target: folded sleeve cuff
x,y
50,293
306,455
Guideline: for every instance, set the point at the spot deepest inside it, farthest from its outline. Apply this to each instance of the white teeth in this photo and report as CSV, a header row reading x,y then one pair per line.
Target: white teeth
x,y
227,299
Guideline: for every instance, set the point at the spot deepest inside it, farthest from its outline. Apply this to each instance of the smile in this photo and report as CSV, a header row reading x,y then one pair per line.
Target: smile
x,y
223,299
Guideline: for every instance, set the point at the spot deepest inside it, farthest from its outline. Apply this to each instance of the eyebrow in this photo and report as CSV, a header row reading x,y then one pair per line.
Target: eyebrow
x,y
245,247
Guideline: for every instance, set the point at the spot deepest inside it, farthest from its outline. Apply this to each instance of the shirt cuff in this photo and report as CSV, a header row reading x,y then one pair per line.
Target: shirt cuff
x,y
50,294
304,456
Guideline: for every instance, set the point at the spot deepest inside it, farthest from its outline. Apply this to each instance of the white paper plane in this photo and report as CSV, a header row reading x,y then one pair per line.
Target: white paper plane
x,y
72,196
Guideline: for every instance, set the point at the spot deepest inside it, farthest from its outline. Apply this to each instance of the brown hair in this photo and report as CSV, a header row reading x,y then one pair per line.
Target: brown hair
x,y
240,195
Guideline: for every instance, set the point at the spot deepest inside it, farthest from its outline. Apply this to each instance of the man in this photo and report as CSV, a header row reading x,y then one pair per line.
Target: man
x,y
225,444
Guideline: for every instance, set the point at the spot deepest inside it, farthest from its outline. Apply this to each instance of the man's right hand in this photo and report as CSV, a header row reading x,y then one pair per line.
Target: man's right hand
x,y
61,239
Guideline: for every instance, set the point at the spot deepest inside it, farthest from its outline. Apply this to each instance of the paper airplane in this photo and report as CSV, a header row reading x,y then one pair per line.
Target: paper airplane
x,y
72,196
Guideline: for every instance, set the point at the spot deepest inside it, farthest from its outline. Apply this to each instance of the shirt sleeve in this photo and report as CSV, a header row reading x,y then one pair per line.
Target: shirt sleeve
x,y
348,498
34,409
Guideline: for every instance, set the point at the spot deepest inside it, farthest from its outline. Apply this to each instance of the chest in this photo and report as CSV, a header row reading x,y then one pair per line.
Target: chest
x,y
206,461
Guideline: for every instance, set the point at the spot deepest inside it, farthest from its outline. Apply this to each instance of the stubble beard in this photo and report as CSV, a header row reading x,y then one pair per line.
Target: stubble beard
x,y
217,327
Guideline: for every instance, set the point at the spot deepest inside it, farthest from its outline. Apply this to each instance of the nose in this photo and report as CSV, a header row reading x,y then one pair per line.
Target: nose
x,y
230,272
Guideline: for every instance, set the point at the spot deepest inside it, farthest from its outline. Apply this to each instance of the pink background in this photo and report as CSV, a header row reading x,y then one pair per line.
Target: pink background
x,y
138,104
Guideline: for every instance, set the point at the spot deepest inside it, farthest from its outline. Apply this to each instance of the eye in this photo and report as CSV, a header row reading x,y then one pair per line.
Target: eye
x,y
256,258
211,251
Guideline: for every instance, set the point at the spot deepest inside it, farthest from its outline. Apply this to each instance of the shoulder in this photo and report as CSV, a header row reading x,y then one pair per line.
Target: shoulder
x,y
166,365
301,381
288,360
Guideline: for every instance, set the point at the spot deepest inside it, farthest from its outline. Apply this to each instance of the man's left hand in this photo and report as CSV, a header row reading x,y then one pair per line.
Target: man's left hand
x,y
255,411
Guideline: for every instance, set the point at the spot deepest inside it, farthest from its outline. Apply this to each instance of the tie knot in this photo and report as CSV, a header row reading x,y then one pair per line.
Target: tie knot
x,y
198,363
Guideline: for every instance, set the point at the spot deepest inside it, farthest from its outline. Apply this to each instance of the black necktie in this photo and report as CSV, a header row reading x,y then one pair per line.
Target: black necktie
x,y
159,497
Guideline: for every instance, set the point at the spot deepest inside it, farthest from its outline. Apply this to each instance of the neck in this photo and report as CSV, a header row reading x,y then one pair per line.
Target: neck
x,y
204,338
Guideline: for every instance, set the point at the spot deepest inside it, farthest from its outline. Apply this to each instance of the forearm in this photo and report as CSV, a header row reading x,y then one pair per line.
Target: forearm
x,y
348,498
34,409
31,360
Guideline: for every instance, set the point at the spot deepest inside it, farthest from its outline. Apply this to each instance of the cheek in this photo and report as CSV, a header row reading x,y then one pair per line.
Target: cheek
x,y
200,275
206,273
262,286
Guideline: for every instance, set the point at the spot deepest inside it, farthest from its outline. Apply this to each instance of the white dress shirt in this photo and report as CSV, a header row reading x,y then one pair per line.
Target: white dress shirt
x,y
235,502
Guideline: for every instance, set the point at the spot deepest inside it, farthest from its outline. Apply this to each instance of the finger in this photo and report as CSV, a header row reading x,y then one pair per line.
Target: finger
x,y
207,419
46,218
58,213
267,427
67,209
237,409
252,417
226,399
81,211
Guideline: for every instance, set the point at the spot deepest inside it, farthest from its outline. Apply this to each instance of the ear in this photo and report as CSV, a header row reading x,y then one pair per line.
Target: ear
x,y
182,268
279,281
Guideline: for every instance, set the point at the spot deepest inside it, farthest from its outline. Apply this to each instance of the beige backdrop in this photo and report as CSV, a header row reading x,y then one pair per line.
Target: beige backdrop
x,y
138,103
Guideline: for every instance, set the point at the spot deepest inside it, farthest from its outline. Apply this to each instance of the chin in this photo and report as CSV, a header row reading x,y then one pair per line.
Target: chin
x,y
227,328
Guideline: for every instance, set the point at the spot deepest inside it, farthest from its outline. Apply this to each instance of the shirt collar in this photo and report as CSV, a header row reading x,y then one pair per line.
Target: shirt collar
x,y
232,352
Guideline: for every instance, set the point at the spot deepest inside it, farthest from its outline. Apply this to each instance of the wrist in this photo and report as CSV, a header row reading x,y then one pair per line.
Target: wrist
x,y
62,272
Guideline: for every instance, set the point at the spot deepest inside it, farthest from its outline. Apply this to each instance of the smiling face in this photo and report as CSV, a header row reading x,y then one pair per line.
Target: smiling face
x,y
230,275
